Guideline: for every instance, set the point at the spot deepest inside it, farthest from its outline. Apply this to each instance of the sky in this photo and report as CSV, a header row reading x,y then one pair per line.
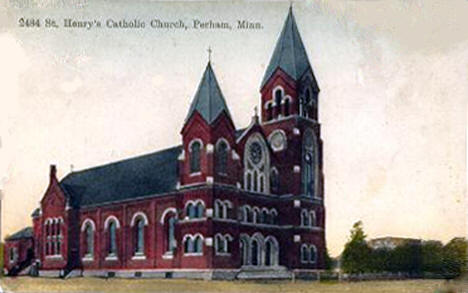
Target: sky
x,y
392,73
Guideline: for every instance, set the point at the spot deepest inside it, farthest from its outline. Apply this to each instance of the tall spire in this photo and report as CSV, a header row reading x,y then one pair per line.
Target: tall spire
x,y
290,54
208,101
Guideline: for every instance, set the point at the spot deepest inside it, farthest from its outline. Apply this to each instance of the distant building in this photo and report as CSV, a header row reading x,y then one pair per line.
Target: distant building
x,y
391,242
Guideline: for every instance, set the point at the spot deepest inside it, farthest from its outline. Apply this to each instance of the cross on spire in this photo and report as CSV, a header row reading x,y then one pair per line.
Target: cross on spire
x,y
209,53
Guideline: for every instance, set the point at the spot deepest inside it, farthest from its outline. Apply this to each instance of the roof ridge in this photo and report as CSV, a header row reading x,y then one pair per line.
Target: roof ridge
x,y
118,162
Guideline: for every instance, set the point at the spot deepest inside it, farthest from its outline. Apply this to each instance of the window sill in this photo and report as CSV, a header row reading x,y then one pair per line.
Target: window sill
x,y
111,258
139,257
195,174
223,254
168,255
87,259
188,220
193,254
55,256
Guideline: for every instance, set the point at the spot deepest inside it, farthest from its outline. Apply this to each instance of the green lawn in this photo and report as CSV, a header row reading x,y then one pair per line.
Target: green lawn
x,y
27,284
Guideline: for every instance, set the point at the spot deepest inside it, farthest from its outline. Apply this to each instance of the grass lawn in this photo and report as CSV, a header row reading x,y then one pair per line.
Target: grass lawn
x,y
27,284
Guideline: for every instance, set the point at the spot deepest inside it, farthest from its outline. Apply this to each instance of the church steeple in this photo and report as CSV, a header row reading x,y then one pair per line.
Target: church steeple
x,y
290,54
209,101
208,136
289,86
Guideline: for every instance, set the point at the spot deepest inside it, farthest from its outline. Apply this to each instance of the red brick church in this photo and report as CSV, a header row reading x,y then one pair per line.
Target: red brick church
x,y
226,203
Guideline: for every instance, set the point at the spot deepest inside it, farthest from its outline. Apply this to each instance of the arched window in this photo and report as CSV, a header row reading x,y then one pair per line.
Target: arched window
x,y
271,251
257,216
89,234
139,236
220,244
309,163
112,246
249,181
274,217
188,244
313,219
195,150
306,104
269,112
304,253
221,157
244,251
274,180
278,98
257,165
200,210
190,210
170,234
286,107
198,244
218,209
313,254
305,218
255,255
264,217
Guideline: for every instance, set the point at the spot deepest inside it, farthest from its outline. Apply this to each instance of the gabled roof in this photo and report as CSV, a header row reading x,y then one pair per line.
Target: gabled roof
x,y
208,101
290,54
147,175
23,233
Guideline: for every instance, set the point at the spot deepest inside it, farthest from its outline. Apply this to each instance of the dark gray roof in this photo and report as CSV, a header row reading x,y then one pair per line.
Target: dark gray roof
x,y
23,233
147,175
208,101
290,54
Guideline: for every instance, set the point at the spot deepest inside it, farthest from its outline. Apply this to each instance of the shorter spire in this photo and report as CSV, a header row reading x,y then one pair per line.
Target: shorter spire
x,y
209,101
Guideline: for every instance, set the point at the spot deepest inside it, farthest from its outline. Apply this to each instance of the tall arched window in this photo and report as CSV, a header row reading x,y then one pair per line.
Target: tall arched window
x,y
221,157
188,244
112,248
313,254
309,163
255,255
256,165
304,253
200,210
286,107
278,98
198,244
244,251
190,210
139,236
313,219
89,234
269,112
305,218
274,181
195,150
170,234
306,103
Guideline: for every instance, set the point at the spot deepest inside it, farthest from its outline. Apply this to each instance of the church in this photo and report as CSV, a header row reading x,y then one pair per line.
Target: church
x,y
226,203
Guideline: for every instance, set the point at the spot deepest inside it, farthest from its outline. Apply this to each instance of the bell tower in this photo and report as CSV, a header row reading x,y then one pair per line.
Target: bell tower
x,y
289,112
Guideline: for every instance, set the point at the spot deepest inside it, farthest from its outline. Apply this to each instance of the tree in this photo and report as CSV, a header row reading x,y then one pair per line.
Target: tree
x,y
329,265
432,256
356,256
454,258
